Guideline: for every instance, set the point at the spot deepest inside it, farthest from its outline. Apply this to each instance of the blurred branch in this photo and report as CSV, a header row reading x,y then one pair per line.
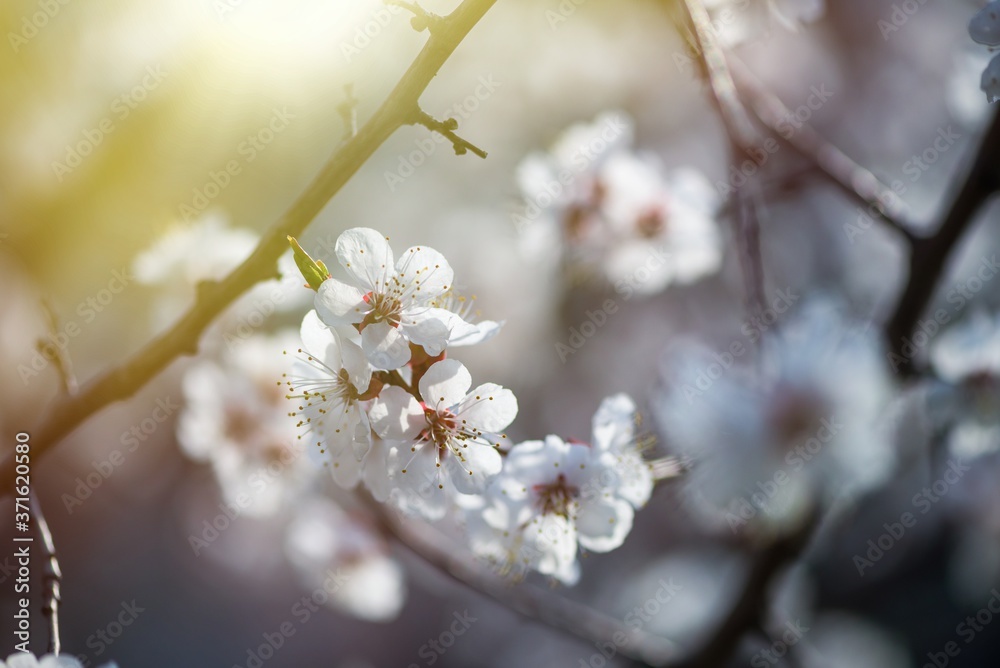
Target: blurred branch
x,y
930,255
51,577
833,163
62,361
743,138
531,602
397,110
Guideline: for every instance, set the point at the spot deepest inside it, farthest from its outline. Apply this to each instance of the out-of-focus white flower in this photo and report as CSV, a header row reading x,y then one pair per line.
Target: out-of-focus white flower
x,y
236,418
605,210
347,564
330,376
964,101
554,495
206,249
966,358
390,301
806,429
984,28
663,228
450,440
20,660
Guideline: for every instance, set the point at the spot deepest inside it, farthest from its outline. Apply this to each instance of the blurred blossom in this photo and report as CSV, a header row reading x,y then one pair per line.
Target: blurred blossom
x,y
964,99
206,249
340,553
236,418
984,28
966,358
605,210
767,446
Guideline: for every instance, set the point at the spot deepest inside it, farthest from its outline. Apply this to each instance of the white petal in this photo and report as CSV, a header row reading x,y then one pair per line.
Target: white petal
x,y
490,408
426,270
376,471
472,468
603,524
396,415
385,346
338,303
471,335
366,256
358,369
429,328
421,486
445,384
320,341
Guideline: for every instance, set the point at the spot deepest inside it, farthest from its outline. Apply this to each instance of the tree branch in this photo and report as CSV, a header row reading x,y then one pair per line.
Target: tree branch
x,y
400,108
833,163
929,256
51,578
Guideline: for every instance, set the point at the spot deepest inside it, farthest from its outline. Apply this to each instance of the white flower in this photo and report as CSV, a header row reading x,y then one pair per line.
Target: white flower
x,y
806,429
966,358
390,301
614,213
330,378
451,439
345,562
21,660
557,500
663,227
236,418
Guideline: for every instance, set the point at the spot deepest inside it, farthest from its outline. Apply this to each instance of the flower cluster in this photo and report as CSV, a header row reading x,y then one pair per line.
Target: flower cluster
x,y
380,404
984,28
611,210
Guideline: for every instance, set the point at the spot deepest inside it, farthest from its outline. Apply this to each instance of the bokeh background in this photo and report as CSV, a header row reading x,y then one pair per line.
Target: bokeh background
x,y
183,85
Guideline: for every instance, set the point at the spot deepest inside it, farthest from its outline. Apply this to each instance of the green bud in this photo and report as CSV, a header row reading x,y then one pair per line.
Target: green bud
x,y
314,271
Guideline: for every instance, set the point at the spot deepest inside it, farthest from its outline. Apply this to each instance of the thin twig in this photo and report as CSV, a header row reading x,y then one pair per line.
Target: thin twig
x,y
446,128
832,162
529,601
51,578
397,110
63,362
743,139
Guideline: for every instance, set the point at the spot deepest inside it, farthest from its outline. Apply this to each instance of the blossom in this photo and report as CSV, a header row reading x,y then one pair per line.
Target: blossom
x,y
616,213
463,321
555,496
966,359
22,660
664,224
391,303
807,428
346,562
330,377
235,417
450,438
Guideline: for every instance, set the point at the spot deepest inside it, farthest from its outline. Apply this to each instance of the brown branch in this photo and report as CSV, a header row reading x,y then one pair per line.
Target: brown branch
x,y
833,163
929,256
446,129
529,601
400,108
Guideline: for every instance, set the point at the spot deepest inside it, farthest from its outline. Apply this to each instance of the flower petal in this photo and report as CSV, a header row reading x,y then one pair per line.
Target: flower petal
x,y
385,346
445,384
603,523
472,466
426,271
365,255
338,303
396,415
320,341
490,408
428,329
